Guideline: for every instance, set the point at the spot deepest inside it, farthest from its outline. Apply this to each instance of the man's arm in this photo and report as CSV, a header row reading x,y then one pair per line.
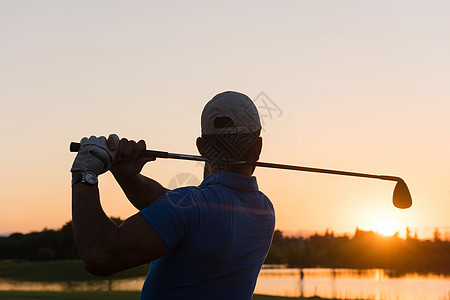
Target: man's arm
x,y
140,190
106,248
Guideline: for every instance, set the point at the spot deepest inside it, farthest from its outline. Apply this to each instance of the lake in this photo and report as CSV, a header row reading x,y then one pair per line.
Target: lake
x,y
376,284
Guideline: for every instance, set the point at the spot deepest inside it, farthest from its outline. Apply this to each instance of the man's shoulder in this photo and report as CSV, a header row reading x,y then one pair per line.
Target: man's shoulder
x,y
182,197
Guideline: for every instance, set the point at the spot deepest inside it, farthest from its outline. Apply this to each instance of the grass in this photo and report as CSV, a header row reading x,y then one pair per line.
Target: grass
x,y
13,295
19,295
56,271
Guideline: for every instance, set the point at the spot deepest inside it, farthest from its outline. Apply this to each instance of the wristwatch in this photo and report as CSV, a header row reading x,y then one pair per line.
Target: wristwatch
x,y
86,177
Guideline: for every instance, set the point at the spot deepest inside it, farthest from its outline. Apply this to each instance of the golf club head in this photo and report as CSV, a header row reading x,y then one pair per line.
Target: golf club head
x,y
401,198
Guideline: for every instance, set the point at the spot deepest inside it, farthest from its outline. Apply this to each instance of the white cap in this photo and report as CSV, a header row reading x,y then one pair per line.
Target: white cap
x,y
230,112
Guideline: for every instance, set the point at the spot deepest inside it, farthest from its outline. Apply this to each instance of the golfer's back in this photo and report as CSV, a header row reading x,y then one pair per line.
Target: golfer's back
x,y
218,235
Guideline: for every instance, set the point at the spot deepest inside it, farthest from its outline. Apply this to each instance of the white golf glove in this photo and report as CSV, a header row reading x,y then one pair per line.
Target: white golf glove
x,y
94,155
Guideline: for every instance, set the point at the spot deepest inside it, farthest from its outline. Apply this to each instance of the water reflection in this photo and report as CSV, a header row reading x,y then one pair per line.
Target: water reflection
x,y
353,284
374,284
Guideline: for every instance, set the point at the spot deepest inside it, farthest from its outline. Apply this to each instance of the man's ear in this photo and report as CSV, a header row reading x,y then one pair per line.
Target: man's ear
x,y
258,148
200,146
255,150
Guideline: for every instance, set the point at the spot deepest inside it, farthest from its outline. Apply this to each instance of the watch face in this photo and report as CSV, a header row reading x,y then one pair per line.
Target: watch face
x,y
90,177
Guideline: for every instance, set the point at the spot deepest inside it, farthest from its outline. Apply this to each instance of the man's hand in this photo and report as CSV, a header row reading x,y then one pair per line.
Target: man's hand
x,y
128,161
95,155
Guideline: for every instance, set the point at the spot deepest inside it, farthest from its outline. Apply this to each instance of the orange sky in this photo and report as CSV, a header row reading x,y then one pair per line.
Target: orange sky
x,y
353,86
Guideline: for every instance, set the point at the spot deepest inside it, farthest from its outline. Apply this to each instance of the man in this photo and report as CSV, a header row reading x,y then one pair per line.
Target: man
x,y
205,242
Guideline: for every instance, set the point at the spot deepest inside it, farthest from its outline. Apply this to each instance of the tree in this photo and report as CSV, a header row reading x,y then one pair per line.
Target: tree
x,y
437,235
45,254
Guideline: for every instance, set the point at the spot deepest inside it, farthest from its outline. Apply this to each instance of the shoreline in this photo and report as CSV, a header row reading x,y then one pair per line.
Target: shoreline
x,y
23,295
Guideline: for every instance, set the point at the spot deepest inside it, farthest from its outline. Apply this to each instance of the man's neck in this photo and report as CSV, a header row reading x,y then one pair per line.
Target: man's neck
x,y
243,169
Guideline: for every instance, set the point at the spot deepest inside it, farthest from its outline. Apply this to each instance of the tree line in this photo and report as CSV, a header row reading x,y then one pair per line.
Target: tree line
x,y
365,249
41,246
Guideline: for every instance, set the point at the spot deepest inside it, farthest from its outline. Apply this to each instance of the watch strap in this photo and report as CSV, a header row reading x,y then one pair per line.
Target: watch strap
x,y
77,178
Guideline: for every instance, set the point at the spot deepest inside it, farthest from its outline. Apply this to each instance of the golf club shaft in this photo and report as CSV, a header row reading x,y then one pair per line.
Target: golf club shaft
x,y
74,147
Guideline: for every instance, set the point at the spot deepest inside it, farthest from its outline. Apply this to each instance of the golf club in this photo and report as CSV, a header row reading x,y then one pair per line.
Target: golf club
x,y
401,197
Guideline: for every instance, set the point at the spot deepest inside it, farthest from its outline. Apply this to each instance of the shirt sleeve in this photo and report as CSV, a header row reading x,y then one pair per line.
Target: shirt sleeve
x,y
173,215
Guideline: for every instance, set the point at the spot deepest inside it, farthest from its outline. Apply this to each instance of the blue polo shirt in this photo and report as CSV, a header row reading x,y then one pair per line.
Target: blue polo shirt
x,y
218,235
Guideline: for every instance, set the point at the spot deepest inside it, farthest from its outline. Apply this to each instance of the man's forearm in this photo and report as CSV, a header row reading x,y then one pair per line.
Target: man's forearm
x,y
90,223
140,190
106,248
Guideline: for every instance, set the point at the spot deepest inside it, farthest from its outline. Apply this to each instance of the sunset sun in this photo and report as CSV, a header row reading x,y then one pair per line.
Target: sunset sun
x,y
386,227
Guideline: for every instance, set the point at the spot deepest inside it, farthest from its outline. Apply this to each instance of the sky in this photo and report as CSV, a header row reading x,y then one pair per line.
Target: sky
x,y
349,85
